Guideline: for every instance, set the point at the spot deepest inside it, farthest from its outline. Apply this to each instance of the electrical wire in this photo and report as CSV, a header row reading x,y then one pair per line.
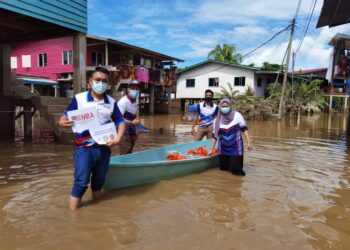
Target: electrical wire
x,y
269,40
306,27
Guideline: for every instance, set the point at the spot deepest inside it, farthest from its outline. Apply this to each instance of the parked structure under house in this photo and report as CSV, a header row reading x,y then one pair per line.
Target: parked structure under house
x,y
52,60
26,21
212,74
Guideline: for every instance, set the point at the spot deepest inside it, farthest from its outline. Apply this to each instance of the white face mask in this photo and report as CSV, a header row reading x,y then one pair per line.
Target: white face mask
x,y
99,87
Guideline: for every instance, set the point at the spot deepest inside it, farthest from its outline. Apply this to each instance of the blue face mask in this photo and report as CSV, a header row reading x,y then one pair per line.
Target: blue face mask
x,y
225,110
99,87
133,93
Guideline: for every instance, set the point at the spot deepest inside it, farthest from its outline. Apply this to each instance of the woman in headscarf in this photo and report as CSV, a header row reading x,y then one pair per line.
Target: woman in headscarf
x,y
228,128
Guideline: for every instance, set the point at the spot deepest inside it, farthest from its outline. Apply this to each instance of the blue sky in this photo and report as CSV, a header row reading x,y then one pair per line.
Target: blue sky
x,y
190,29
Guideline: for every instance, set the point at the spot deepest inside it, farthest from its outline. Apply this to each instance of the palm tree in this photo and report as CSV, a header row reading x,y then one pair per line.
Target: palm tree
x,y
227,93
225,53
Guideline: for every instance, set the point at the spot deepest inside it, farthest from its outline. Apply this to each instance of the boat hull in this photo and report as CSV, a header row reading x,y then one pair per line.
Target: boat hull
x,y
151,166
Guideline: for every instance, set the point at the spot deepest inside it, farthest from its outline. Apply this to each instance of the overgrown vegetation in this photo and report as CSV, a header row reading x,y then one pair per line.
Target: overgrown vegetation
x,y
300,96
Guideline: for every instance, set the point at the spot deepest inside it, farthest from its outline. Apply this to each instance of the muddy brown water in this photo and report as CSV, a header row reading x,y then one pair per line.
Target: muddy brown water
x,y
296,195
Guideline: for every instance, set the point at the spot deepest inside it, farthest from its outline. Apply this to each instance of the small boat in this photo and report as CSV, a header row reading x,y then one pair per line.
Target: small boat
x,y
150,166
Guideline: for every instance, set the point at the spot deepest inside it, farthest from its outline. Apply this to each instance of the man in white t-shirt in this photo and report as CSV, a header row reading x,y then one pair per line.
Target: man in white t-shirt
x,y
128,108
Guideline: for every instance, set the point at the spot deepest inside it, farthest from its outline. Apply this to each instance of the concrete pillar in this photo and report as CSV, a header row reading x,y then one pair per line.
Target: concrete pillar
x,y
346,103
330,102
151,99
79,63
28,121
106,54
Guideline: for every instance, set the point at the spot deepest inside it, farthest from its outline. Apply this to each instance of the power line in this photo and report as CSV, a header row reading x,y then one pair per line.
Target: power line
x,y
269,40
307,26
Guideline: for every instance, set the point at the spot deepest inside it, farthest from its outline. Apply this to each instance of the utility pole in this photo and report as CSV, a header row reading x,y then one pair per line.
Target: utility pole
x,y
284,86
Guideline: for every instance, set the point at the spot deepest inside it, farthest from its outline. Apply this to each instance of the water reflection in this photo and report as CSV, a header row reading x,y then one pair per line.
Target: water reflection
x,y
295,195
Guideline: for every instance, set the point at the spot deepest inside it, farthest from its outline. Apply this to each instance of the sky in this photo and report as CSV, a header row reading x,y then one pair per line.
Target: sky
x,y
190,29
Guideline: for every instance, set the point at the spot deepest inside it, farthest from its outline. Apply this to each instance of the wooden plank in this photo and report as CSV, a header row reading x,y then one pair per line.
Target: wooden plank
x,y
69,12
79,63
73,19
5,69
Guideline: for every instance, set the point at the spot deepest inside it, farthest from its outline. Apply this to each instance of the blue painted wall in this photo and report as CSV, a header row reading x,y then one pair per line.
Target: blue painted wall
x,y
71,14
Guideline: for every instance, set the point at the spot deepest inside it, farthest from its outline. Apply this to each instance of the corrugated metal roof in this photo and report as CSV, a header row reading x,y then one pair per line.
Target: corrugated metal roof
x,y
219,62
334,13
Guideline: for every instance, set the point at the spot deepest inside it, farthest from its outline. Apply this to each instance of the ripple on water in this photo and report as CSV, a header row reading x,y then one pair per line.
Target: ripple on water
x,y
295,195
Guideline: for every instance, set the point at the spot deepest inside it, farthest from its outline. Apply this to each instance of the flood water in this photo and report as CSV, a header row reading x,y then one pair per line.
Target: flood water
x,y
296,195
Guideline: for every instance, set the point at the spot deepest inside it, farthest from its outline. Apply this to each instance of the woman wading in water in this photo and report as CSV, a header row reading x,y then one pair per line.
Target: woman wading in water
x,y
228,129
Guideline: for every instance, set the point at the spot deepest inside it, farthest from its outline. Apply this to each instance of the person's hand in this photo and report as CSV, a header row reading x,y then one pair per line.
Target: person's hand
x,y
210,152
193,131
135,122
112,143
249,146
65,123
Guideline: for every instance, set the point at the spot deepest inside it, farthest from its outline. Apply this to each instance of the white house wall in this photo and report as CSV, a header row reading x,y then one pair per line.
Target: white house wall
x,y
225,73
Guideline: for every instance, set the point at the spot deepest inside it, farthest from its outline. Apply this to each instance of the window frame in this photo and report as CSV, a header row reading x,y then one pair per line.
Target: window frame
x,y
97,53
44,60
240,82
213,86
69,54
194,83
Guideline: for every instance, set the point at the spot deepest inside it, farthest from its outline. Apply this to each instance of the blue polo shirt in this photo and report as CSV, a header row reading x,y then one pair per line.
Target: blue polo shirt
x,y
107,111
207,114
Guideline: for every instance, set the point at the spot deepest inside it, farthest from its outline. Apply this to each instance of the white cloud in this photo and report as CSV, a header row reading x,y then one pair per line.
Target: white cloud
x,y
314,52
243,31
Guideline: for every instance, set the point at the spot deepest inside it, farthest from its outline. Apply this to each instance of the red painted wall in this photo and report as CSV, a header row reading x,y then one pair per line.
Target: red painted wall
x,y
53,48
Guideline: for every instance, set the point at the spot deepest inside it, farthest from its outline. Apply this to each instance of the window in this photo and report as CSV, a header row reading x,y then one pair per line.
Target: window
x,y
13,62
190,83
214,82
67,57
96,58
240,81
26,61
42,60
259,83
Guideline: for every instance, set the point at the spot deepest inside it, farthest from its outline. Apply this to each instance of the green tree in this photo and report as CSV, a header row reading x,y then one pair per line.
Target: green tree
x,y
271,66
225,53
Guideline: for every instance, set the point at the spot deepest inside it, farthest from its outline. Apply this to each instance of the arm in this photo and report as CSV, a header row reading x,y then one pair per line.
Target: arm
x,y
119,123
193,131
213,142
63,122
116,141
134,122
244,129
246,135
122,108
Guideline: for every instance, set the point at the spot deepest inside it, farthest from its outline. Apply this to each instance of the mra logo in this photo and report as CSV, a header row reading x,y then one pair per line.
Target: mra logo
x,y
83,117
